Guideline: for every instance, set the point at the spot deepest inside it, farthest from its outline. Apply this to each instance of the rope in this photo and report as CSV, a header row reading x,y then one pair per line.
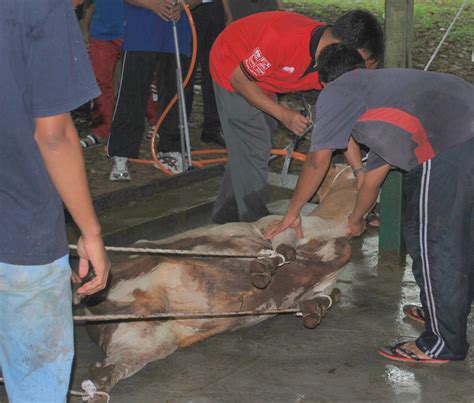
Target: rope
x,y
183,315
89,391
445,36
264,253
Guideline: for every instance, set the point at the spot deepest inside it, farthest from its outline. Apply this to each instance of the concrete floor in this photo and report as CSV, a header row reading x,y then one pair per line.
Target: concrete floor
x,y
281,361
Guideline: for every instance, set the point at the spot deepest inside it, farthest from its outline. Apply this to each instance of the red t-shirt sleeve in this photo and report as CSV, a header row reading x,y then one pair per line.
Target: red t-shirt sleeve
x,y
263,58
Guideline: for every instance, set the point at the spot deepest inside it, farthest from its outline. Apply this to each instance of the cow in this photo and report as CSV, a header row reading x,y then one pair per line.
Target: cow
x,y
148,284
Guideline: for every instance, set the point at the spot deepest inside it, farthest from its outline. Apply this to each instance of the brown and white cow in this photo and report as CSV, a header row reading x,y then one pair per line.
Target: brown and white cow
x,y
149,284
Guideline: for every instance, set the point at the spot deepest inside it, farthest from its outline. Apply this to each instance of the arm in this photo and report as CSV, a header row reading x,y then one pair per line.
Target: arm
x,y
86,21
166,9
227,12
59,146
352,156
366,198
314,170
292,119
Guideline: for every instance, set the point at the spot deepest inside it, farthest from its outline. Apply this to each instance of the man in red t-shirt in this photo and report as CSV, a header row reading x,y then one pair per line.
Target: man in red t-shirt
x,y
251,61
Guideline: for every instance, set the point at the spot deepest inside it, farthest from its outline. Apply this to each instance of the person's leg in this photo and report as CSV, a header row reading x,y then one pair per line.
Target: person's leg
x,y
152,104
210,22
128,120
170,136
439,213
247,133
36,333
104,56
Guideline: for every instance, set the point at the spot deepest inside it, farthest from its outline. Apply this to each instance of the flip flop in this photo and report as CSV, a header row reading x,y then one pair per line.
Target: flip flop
x,y
373,219
392,354
90,141
414,312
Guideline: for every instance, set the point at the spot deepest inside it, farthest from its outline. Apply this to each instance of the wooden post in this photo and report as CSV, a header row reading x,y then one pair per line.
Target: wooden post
x,y
398,44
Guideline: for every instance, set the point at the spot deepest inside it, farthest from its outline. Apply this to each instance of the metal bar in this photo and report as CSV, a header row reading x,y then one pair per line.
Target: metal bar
x,y
181,98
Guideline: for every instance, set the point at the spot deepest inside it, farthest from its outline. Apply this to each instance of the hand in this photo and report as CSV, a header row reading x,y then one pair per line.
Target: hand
x,y
92,250
167,9
356,227
295,121
275,227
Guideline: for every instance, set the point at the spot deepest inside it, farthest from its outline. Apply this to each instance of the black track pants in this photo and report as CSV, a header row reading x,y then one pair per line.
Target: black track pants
x,y
439,234
128,121
209,20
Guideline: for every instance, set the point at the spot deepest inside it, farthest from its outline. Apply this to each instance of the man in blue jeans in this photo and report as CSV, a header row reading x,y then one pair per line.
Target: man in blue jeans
x,y
44,74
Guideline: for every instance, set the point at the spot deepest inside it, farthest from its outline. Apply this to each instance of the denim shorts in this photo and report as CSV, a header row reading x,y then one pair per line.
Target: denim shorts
x,y
36,331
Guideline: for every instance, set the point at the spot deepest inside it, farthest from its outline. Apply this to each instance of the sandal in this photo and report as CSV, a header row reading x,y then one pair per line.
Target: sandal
x,y
414,312
90,141
392,354
373,219
149,135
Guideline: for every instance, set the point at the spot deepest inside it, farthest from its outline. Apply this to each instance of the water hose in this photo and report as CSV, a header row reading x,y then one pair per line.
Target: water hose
x,y
217,151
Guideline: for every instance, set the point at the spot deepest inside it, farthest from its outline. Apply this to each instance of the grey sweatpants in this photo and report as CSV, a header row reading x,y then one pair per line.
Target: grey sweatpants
x,y
248,137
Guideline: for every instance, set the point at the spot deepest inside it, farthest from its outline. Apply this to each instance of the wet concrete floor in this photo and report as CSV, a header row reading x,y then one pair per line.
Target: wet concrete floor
x,y
281,361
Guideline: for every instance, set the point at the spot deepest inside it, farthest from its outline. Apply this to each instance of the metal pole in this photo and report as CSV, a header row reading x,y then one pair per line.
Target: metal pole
x,y
398,45
181,99
181,129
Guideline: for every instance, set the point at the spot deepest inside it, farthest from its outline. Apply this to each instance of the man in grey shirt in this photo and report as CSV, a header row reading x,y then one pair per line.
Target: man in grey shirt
x,y
423,123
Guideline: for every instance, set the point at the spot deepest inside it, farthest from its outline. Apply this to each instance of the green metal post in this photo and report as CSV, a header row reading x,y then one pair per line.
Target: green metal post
x,y
391,245
398,43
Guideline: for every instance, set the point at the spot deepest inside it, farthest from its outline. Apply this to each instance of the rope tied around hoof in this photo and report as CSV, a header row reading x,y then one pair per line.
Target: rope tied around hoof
x,y
89,391
270,254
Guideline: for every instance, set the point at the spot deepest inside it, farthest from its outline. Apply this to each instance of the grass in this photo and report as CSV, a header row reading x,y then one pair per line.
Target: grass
x,y
431,19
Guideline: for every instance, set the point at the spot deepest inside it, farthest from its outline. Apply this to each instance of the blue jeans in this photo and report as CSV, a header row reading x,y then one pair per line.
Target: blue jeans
x,y
36,331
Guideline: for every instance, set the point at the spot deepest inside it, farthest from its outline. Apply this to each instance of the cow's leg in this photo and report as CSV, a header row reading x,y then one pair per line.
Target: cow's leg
x,y
315,309
263,270
106,374
285,243
126,356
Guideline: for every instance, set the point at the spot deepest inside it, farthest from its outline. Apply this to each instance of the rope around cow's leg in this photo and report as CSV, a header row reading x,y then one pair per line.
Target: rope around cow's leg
x,y
157,251
193,315
89,391
181,315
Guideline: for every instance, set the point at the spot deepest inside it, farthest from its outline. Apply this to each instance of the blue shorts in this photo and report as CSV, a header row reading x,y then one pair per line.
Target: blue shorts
x,y
36,331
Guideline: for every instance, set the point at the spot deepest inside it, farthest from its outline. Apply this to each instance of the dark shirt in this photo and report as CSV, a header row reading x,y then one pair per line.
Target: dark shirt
x,y
108,20
404,116
44,71
146,31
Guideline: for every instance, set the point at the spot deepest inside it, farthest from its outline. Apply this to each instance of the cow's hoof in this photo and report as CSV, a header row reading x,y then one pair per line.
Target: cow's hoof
x,y
101,375
336,295
311,321
287,251
260,276
262,272
313,312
